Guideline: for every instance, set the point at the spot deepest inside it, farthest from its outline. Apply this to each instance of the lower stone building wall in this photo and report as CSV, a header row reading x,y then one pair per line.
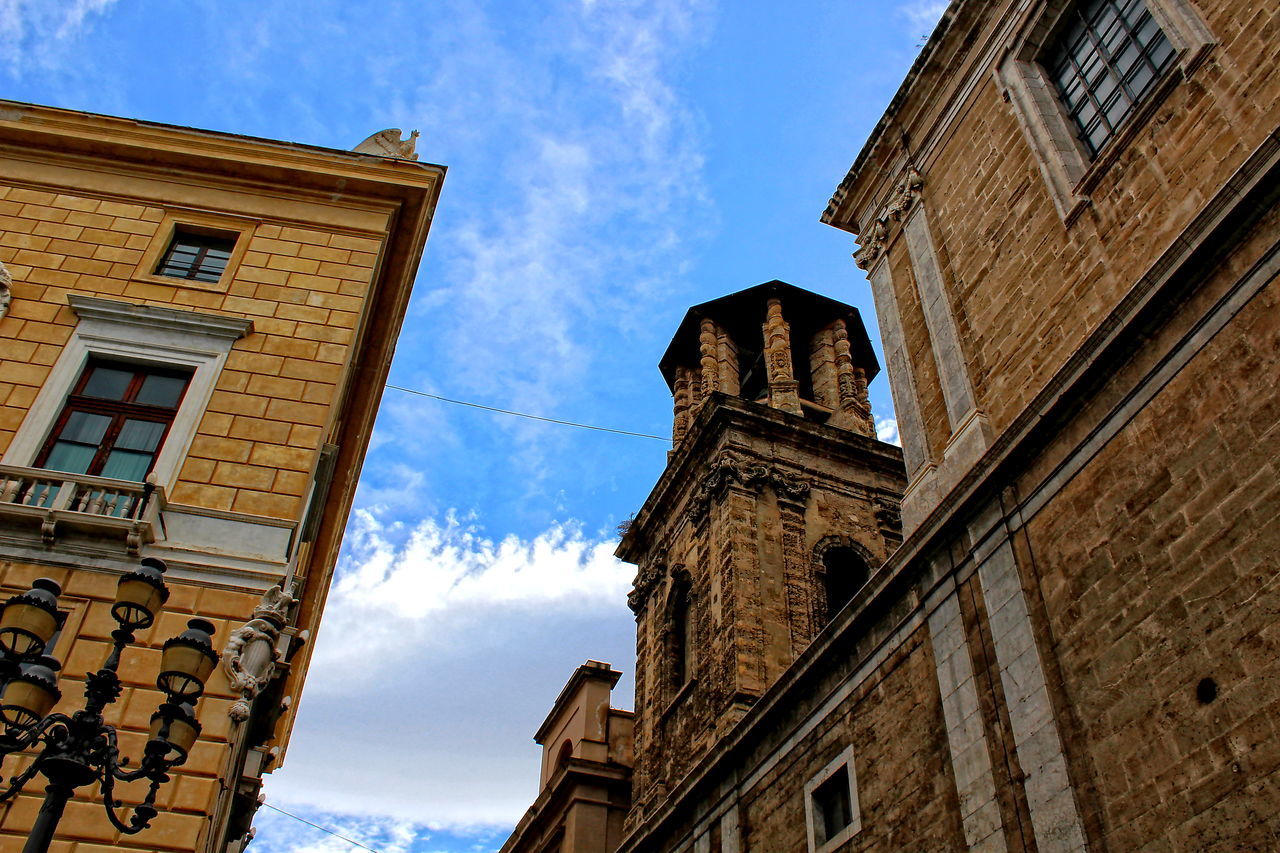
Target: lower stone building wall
x,y
187,800
906,792
1157,567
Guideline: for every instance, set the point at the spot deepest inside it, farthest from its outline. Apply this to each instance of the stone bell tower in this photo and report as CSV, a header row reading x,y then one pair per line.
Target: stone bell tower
x,y
776,504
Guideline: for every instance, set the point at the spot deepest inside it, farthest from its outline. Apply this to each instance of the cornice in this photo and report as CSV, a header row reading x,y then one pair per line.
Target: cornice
x,y
155,317
684,475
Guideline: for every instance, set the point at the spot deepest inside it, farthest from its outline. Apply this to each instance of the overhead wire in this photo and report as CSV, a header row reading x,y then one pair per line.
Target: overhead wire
x,y
321,828
527,415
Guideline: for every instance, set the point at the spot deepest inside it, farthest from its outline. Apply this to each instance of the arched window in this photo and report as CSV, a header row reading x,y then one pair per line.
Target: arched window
x,y
844,572
679,633
566,752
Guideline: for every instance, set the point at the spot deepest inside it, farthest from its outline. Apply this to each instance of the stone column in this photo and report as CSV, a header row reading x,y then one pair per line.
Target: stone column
x,y
682,403
708,346
851,381
784,390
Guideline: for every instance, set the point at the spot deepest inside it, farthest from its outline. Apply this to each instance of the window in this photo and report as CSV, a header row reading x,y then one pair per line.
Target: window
x,y
197,255
188,343
114,420
1078,75
1105,61
844,573
679,632
831,805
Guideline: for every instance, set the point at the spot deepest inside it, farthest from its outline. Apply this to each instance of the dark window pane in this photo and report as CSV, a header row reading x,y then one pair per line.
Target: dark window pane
x,y
833,805
127,465
140,435
85,428
161,391
109,383
73,458
1104,62
198,257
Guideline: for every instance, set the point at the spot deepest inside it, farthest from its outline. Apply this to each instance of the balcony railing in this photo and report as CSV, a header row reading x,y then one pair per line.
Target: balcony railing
x,y
57,501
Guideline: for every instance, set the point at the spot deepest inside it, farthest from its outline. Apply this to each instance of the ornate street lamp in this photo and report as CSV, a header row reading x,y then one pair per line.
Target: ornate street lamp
x,y
80,749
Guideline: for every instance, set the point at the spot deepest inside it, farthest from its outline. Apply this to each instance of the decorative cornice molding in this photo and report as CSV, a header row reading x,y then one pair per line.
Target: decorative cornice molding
x,y
151,316
906,192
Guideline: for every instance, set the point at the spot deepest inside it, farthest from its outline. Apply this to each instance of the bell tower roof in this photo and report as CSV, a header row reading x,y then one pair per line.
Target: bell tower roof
x,y
739,314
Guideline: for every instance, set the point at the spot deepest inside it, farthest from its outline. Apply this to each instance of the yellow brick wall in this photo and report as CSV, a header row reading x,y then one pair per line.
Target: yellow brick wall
x,y
186,800
304,289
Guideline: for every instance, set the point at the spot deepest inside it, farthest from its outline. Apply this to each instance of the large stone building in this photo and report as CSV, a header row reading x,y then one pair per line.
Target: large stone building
x,y
195,329
1068,220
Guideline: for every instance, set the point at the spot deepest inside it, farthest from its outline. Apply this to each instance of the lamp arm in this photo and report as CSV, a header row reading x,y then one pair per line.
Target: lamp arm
x,y
17,783
142,813
41,731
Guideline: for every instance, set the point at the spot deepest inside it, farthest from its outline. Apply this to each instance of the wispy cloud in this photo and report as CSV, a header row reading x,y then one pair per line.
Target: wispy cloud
x,y
923,15
33,33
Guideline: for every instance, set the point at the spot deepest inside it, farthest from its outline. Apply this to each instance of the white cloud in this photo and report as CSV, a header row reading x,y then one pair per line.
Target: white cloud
x,y
923,14
443,649
887,430
33,31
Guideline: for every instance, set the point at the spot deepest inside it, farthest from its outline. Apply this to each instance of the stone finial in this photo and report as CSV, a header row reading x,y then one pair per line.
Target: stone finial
x,y
387,143
784,391
6,290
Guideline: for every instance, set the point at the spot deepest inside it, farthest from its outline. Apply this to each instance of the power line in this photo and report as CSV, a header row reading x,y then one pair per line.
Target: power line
x,y
527,415
321,828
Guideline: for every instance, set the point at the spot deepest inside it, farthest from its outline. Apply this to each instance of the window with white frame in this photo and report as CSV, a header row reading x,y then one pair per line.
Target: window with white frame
x,y
832,816
126,395
1081,72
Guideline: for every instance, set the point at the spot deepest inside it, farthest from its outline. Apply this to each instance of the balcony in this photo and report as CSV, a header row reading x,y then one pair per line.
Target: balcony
x,y
100,508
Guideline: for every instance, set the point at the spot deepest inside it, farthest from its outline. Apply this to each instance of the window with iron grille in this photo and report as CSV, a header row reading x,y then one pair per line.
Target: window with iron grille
x,y
196,256
1107,58
114,421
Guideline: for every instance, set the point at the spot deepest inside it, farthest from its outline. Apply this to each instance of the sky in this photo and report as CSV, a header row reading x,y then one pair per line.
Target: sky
x,y
611,163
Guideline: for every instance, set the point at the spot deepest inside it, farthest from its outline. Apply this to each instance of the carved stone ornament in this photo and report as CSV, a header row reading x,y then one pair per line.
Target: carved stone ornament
x,y
646,581
904,196
252,652
6,290
729,468
387,143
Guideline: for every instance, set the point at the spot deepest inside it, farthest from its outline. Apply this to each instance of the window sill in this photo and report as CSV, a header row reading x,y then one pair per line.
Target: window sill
x,y
678,699
59,502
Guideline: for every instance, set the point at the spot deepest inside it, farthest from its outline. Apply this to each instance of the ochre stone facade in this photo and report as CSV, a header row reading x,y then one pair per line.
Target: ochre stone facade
x,y
285,352
1074,647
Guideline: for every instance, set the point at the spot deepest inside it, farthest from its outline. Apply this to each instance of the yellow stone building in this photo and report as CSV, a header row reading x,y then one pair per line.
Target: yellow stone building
x,y
195,330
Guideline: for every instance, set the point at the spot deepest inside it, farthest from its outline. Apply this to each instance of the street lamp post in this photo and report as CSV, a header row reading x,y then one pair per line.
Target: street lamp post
x,y
80,748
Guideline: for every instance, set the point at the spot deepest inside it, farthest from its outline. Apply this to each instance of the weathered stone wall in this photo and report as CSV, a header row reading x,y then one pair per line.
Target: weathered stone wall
x,y
906,796
752,495
1157,566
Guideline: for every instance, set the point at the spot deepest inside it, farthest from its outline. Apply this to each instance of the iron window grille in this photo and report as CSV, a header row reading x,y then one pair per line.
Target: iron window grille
x,y
115,421
196,256
1107,58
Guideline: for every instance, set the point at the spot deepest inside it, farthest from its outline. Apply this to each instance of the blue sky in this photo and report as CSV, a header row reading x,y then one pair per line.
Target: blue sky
x,y
611,162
